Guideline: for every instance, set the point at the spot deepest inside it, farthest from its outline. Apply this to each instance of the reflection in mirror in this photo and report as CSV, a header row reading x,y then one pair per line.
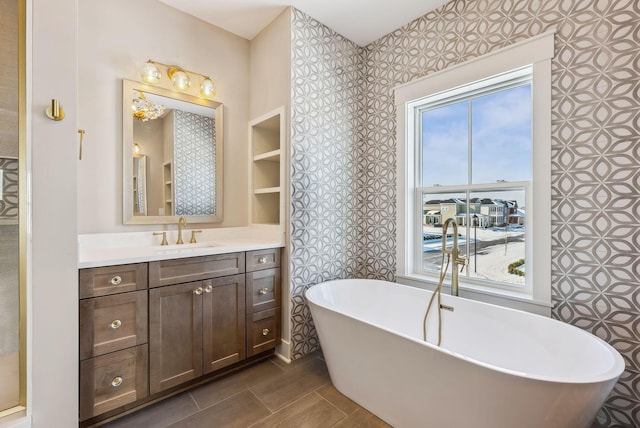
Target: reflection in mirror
x,y
139,182
172,150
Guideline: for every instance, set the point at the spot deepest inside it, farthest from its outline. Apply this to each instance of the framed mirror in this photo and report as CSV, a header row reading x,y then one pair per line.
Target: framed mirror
x,y
172,156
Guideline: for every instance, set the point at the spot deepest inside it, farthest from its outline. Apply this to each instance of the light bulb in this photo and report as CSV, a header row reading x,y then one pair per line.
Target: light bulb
x,y
207,88
180,80
150,72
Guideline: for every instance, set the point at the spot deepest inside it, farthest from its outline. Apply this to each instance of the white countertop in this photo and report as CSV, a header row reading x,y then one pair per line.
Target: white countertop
x,y
106,249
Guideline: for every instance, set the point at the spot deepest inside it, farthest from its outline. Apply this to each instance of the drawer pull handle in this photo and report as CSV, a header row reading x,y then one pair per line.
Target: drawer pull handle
x,y
262,260
208,288
263,291
198,291
265,331
115,324
116,381
116,280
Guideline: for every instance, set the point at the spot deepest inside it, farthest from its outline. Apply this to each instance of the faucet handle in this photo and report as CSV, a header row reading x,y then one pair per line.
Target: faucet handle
x,y
193,236
164,237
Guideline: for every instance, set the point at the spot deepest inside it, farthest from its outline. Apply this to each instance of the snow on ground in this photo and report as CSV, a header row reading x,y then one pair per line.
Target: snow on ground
x,y
492,263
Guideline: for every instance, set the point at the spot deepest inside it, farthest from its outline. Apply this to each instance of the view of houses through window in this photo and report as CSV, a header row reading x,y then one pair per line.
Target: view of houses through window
x,y
476,168
491,234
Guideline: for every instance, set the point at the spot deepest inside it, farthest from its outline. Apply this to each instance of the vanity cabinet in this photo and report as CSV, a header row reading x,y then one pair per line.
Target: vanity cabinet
x,y
149,329
113,338
263,300
195,328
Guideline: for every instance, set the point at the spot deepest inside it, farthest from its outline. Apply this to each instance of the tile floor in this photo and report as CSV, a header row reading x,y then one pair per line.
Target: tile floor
x,y
268,394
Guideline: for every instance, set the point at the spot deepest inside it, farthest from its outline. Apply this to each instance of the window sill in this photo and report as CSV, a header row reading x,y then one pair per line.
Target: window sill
x,y
495,297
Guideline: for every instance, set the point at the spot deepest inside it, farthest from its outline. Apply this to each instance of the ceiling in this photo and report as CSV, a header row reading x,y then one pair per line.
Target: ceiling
x,y
361,21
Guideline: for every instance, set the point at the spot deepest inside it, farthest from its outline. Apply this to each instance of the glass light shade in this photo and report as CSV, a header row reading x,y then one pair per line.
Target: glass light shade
x,y
180,80
207,88
150,73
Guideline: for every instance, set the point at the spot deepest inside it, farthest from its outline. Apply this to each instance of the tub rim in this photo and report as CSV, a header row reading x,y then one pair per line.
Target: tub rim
x,y
612,373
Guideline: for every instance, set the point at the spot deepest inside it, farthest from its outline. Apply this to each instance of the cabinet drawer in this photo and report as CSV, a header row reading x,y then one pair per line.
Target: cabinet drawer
x,y
112,323
263,259
113,380
263,290
176,271
263,331
107,280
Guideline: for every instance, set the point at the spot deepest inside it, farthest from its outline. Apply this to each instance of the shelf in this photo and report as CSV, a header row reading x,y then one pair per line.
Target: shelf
x,y
266,168
264,190
266,208
272,156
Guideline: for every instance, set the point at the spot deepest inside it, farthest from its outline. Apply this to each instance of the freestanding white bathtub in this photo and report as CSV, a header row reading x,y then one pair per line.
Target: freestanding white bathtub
x,y
496,367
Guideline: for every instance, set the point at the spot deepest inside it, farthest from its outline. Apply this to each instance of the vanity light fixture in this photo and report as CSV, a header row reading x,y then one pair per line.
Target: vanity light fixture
x,y
144,110
179,77
150,72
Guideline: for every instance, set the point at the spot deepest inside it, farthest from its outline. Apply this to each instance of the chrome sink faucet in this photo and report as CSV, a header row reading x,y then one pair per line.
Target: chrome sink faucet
x,y
454,253
181,223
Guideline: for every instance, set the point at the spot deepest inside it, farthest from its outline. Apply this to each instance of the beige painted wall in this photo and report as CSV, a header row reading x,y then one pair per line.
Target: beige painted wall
x,y
115,38
52,275
270,89
271,66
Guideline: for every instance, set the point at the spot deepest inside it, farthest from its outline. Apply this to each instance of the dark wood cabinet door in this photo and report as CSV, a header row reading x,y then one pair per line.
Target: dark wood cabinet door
x,y
103,281
176,271
263,331
113,380
263,290
112,323
223,322
262,259
175,335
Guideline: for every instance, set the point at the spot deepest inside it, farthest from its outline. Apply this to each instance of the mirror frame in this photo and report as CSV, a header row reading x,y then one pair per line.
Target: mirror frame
x,y
128,86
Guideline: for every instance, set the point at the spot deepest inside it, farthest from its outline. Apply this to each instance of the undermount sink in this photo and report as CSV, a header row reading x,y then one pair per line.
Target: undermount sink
x,y
185,246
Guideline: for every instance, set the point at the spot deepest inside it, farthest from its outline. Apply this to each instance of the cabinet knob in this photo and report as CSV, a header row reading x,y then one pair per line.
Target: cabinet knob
x,y
262,260
116,280
116,381
115,324
208,288
263,291
198,291
265,331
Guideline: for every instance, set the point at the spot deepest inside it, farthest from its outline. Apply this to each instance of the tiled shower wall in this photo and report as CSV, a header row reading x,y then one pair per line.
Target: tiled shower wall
x,y
595,158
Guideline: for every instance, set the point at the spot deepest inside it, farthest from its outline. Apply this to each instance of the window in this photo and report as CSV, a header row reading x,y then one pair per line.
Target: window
x,y
474,161
474,146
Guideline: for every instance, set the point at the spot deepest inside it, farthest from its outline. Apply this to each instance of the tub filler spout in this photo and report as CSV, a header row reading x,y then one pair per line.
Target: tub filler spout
x,y
454,253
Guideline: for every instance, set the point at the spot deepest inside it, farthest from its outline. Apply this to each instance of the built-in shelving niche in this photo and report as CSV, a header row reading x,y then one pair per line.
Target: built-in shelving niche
x,y
267,160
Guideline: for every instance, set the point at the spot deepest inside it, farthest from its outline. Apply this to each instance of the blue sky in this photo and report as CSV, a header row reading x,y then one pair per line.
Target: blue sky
x,y
501,139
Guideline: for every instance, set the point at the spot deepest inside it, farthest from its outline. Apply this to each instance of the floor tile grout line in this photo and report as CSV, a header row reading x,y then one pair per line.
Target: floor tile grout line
x,y
195,401
245,387
312,392
261,402
315,391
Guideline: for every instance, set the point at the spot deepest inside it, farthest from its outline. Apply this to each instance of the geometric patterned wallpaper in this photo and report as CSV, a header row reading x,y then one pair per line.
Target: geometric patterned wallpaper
x,y
9,191
324,154
195,164
595,179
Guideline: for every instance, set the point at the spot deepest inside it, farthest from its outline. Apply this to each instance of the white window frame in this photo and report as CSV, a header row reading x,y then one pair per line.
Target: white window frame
x,y
536,52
